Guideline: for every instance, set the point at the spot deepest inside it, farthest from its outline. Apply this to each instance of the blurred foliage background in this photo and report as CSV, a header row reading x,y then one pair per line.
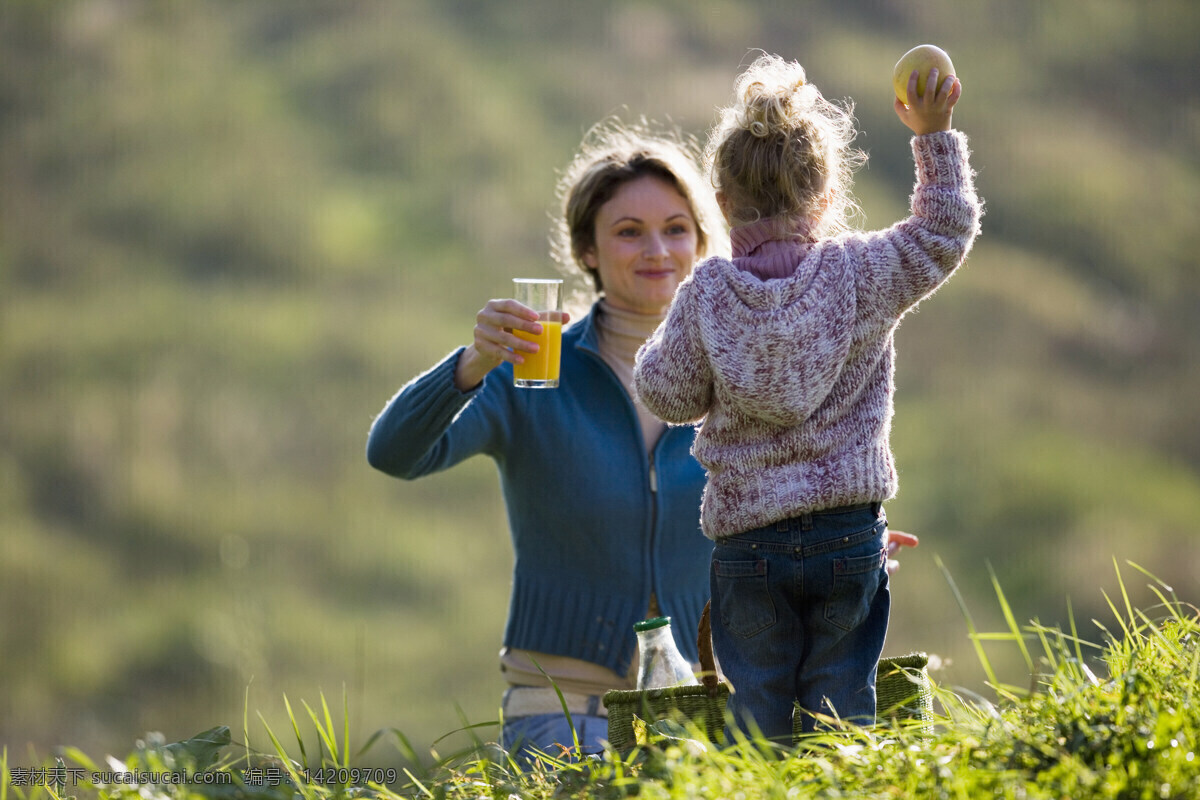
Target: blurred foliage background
x,y
232,230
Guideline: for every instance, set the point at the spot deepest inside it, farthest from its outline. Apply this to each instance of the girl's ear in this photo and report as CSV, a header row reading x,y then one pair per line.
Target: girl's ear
x,y
589,258
722,203
823,204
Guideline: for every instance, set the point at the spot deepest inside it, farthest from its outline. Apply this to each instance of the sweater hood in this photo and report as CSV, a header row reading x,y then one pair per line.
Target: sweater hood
x,y
777,347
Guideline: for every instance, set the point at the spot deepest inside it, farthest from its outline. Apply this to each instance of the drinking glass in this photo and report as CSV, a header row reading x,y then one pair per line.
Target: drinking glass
x,y
540,370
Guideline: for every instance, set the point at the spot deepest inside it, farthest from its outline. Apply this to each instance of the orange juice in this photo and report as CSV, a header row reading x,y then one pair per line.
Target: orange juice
x,y
540,369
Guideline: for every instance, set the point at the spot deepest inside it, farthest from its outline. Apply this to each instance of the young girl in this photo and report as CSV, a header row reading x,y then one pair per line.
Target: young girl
x,y
787,353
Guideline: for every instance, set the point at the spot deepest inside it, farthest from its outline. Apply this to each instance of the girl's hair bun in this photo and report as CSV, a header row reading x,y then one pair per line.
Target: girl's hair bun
x,y
782,150
771,94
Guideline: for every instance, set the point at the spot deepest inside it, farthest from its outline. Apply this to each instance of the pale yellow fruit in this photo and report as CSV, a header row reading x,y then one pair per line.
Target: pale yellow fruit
x,y
923,57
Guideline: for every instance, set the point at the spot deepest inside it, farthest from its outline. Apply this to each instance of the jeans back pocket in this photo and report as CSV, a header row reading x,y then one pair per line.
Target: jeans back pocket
x,y
855,582
743,597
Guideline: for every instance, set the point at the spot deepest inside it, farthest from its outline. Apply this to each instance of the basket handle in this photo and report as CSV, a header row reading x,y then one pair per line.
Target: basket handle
x,y
708,665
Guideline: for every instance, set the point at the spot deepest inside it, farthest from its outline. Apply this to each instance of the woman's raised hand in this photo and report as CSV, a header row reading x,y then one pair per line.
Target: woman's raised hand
x,y
896,540
494,341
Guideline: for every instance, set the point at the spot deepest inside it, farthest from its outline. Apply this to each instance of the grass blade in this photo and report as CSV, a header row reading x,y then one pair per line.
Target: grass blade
x,y
323,735
80,758
1194,674
971,630
1156,579
418,784
1124,592
345,728
1050,649
1010,619
283,757
405,747
332,741
1074,632
1120,620
296,730
562,701
468,727
246,722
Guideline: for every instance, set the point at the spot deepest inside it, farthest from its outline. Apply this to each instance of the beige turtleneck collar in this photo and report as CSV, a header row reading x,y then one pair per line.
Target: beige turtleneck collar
x,y
620,333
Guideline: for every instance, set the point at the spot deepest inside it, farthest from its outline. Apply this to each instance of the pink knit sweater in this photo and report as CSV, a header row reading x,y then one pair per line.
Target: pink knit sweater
x,y
794,375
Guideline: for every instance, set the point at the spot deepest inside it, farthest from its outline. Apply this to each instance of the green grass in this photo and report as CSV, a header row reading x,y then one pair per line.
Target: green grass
x,y
1113,719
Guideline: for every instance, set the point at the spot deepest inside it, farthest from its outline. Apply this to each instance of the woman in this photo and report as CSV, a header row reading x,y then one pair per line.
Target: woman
x,y
603,499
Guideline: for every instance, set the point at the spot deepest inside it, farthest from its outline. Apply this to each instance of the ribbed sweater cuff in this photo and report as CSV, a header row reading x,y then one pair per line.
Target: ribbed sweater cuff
x,y
434,389
941,158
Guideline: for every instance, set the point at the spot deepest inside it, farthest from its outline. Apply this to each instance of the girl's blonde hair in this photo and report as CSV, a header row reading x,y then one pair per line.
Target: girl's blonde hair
x,y
612,154
783,151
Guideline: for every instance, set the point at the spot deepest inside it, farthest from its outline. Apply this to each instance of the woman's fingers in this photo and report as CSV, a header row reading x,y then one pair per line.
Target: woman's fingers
x,y
509,314
494,326
898,539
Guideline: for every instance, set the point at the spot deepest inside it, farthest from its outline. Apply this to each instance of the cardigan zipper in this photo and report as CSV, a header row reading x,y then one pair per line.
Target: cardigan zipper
x,y
653,604
652,470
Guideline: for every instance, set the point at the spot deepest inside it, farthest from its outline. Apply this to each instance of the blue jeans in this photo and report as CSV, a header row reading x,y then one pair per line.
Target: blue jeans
x,y
544,732
800,611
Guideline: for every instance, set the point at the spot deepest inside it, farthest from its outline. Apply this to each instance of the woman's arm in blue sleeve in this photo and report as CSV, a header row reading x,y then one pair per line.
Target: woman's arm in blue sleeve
x,y
430,425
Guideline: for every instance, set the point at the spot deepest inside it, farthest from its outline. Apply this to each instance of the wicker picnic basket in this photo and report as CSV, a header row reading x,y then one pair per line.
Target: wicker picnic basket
x,y
902,689
902,692
702,705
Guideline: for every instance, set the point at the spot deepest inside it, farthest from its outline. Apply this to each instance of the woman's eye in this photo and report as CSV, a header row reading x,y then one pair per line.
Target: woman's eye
x,y
627,232
679,230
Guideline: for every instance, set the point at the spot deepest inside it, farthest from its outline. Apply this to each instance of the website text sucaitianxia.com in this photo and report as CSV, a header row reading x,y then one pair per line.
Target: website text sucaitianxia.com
x,y
252,776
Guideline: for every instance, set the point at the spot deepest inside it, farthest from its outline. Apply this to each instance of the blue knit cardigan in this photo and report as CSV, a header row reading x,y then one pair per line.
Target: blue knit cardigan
x,y
596,525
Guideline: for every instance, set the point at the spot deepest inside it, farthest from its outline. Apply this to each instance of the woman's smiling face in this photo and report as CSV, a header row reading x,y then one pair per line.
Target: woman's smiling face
x,y
646,244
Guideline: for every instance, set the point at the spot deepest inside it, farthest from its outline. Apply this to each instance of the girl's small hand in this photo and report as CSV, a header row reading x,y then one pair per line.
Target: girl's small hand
x,y
494,342
932,111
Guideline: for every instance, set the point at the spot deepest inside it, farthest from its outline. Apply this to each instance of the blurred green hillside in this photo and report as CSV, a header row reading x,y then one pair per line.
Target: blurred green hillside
x,y
230,231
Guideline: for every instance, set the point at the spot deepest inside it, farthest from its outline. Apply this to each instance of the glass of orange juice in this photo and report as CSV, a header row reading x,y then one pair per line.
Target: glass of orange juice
x,y
540,370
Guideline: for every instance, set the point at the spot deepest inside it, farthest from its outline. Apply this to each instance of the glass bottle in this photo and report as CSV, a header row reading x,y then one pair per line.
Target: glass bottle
x,y
660,664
